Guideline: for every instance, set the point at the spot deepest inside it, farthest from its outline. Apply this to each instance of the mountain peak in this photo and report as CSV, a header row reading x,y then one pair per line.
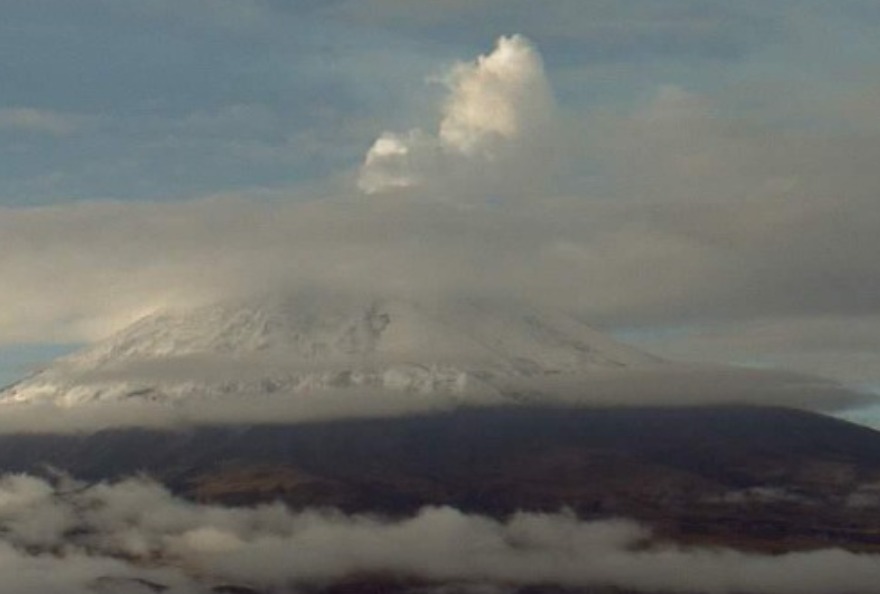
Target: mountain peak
x,y
307,342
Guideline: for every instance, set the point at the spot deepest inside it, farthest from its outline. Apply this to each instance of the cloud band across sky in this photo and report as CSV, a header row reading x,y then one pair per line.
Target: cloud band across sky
x,y
723,200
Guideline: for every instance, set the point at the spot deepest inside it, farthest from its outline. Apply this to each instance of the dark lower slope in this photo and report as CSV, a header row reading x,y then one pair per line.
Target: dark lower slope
x,y
755,477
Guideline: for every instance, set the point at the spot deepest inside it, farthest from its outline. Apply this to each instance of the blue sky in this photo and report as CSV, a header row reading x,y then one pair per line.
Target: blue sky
x,y
166,100
759,248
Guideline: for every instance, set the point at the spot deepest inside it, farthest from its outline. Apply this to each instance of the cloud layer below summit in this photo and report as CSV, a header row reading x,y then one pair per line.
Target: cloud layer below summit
x,y
94,530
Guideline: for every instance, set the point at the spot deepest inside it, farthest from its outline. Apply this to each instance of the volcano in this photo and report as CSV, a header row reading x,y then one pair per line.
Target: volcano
x,y
749,480
313,342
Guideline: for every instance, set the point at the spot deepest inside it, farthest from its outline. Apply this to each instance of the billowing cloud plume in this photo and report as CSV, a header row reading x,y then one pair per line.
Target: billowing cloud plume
x,y
499,110
73,538
503,97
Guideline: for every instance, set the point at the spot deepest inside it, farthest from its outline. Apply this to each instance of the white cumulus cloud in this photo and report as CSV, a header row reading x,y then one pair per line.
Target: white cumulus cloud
x,y
499,109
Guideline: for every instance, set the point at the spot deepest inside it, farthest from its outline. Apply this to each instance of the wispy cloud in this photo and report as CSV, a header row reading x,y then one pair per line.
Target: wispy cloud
x,y
38,121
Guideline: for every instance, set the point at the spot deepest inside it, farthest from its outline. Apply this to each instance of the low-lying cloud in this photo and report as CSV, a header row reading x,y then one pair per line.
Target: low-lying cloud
x,y
73,538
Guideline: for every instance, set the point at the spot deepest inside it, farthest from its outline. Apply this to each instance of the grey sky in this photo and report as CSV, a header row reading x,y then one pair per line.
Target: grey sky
x,y
710,166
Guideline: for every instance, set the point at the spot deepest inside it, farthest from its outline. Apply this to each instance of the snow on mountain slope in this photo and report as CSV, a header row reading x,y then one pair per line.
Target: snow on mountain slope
x,y
307,343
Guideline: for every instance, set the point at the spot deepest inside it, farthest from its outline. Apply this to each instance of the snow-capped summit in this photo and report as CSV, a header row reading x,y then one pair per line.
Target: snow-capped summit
x,y
309,342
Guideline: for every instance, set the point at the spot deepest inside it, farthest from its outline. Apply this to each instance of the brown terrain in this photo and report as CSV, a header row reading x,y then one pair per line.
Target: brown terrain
x,y
756,479
753,478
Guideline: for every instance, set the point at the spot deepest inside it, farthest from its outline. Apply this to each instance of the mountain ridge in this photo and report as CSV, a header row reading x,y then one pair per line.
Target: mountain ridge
x,y
305,343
